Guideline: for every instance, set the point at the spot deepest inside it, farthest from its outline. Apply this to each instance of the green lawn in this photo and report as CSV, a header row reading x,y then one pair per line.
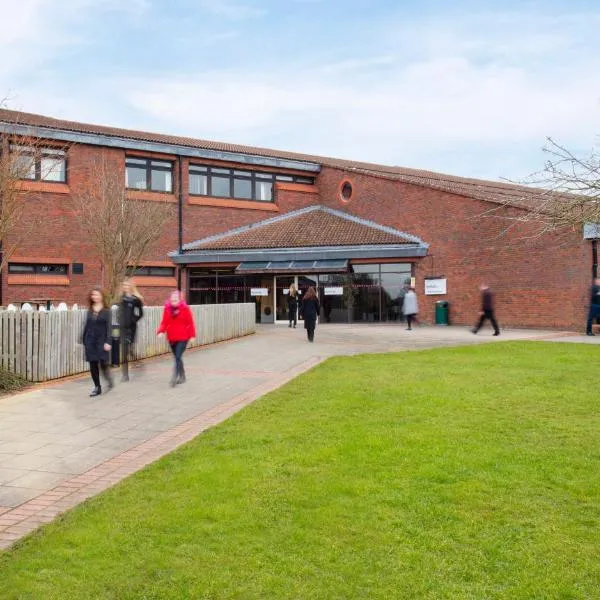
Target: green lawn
x,y
453,473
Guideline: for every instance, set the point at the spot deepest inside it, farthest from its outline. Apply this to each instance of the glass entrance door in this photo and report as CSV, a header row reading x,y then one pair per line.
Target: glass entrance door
x,y
282,291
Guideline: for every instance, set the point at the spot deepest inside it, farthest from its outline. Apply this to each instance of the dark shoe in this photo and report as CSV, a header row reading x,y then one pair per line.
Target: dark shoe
x,y
96,392
409,329
294,325
181,377
474,331
497,333
590,333
290,325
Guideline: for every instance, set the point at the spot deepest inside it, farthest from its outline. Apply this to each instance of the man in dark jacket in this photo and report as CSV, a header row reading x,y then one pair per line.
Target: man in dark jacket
x,y
487,309
594,312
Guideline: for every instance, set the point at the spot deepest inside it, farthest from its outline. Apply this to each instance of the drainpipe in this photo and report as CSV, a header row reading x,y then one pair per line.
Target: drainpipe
x,y
594,259
180,219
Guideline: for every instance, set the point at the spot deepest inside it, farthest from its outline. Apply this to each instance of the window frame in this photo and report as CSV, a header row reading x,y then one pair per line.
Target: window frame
x,y
240,174
37,269
149,168
37,154
145,271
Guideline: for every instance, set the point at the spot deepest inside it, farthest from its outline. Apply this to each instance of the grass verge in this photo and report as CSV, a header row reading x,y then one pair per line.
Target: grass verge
x,y
453,473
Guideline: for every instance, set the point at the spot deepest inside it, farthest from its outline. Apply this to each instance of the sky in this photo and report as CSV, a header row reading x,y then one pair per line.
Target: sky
x,y
467,87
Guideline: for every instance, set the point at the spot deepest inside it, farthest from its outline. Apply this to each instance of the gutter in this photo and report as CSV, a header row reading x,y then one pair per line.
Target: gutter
x,y
98,139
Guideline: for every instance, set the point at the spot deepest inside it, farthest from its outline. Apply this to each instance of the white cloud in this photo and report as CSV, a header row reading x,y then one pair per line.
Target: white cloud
x,y
34,32
474,96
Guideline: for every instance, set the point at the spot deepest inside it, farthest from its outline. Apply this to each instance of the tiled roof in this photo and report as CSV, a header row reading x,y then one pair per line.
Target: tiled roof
x,y
473,188
315,226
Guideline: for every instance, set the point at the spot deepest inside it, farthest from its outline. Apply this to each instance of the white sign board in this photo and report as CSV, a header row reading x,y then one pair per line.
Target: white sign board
x,y
591,231
259,291
435,287
334,291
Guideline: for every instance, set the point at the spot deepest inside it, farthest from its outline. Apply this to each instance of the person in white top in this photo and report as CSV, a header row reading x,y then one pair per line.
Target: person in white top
x,y
410,308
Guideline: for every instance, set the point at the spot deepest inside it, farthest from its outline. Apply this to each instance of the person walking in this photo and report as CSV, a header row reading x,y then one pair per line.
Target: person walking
x,y
293,305
96,339
487,310
594,312
131,310
310,311
410,308
178,324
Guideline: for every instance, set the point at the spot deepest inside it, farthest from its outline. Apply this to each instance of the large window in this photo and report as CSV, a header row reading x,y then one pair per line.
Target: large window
x,y
148,174
151,271
37,269
39,164
235,183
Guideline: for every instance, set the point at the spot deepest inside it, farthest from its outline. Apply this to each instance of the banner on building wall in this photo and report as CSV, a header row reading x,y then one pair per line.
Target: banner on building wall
x,y
435,287
259,291
334,291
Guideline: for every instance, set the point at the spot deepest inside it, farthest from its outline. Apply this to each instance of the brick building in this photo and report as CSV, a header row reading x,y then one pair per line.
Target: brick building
x,y
250,221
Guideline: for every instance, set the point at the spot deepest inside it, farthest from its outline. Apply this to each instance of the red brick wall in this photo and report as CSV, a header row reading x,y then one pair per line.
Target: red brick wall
x,y
538,283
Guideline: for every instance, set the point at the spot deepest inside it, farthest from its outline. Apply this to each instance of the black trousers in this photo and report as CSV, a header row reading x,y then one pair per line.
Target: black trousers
x,y
293,315
487,314
95,366
126,354
178,348
310,329
410,319
594,313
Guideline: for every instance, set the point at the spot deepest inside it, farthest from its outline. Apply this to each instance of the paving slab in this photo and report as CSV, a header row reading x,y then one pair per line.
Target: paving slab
x,y
58,446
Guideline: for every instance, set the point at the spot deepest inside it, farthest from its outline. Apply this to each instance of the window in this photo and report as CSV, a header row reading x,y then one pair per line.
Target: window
x,y
346,191
148,174
40,164
37,269
152,271
198,181
236,183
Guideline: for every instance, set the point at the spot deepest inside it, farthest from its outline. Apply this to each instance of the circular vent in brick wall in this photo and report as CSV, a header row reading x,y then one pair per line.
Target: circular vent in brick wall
x,y
346,191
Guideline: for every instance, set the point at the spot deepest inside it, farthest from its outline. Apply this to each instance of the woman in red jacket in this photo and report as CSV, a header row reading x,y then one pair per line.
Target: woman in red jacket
x,y
178,323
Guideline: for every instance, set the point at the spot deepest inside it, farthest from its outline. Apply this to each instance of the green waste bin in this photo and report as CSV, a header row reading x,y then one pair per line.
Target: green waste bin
x,y
441,312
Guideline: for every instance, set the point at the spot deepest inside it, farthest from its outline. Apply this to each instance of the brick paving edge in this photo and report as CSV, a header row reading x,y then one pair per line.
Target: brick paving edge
x,y
16,522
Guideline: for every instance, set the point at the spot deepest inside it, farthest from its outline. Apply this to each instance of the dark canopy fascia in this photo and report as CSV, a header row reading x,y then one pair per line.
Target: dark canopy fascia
x,y
293,254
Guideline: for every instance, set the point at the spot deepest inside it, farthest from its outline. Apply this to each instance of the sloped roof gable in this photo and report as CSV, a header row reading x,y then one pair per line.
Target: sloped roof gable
x,y
315,226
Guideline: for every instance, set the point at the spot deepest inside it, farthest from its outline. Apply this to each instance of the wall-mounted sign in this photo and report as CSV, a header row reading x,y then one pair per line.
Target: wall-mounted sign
x,y
334,291
591,231
259,291
435,287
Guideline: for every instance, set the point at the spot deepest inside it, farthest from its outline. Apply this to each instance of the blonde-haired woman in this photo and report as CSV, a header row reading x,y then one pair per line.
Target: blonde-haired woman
x,y
131,310
293,305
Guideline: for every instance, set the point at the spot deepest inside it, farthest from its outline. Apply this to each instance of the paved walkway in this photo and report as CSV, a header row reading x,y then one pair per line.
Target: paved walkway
x,y
58,446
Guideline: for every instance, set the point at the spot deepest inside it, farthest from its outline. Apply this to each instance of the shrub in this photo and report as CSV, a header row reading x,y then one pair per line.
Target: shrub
x,y
9,382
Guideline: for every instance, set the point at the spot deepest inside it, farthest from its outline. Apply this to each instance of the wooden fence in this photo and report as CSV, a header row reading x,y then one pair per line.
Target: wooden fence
x,y
40,346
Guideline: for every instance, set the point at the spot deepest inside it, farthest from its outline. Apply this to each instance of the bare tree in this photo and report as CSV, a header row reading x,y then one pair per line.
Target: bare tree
x,y
22,158
121,229
562,197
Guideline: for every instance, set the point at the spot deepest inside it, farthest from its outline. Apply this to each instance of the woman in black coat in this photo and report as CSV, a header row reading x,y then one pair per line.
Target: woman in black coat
x,y
293,305
310,311
96,339
131,310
